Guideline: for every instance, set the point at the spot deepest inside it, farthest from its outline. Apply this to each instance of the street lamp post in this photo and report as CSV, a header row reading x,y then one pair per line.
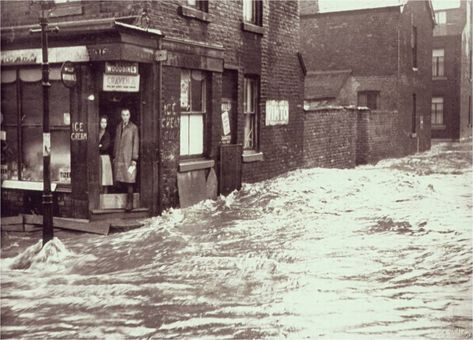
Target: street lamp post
x,y
48,232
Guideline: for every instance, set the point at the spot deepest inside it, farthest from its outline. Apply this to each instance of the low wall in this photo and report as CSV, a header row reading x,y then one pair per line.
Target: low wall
x,y
330,138
338,137
379,136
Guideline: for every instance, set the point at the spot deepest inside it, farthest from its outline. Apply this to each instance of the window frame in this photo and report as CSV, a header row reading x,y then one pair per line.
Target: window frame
x,y
369,94
438,61
256,17
436,112
200,5
253,115
203,113
439,15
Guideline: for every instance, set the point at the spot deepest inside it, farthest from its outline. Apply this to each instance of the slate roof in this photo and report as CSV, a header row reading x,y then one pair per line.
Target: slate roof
x,y
324,84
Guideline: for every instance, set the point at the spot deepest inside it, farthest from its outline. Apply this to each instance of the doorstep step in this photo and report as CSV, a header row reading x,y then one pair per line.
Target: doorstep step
x,y
115,214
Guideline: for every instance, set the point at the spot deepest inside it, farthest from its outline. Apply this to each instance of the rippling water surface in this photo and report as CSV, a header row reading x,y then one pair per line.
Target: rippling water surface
x,y
379,251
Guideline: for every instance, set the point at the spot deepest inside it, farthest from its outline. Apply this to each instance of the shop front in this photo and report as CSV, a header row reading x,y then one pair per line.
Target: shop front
x,y
115,67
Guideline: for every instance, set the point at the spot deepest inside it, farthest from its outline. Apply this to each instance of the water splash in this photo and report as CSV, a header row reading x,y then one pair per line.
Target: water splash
x,y
52,256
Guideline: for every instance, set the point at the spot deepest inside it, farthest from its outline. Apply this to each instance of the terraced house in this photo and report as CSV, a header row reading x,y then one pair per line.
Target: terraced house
x,y
452,73
376,58
214,87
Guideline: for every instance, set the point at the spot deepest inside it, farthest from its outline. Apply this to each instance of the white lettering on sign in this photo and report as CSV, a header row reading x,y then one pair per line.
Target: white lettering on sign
x,y
121,68
78,131
277,112
35,56
122,83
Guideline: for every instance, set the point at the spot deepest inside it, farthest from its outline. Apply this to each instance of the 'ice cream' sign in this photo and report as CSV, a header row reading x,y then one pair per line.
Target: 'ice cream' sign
x,y
277,112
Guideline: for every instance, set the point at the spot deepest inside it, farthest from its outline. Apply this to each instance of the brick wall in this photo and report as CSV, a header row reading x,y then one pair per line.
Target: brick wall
x,y
345,137
378,136
330,138
170,148
281,79
448,87
364,41
415,80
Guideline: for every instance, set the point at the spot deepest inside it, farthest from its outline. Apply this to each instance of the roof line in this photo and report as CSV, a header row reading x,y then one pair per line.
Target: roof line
x,y
310,73
358,10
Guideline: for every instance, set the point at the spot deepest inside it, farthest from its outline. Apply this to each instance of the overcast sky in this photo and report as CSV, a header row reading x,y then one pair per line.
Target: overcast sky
x,y
339,5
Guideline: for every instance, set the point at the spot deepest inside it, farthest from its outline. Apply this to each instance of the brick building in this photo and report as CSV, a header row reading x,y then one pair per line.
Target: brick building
x,y
215,88
451,73
378,58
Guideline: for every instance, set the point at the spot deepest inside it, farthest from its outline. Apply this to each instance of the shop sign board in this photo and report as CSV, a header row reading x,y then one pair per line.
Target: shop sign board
x,y
277,112
35,56
121,83
68,75
121,68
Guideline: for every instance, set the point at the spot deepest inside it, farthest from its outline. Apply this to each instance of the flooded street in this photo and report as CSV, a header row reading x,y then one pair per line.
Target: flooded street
x,y
379,251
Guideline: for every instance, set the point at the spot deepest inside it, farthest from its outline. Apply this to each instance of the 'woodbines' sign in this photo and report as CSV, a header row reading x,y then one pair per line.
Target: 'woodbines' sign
x,y
121,77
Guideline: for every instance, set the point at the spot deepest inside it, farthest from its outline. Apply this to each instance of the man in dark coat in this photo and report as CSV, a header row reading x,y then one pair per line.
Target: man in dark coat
x,y
125,153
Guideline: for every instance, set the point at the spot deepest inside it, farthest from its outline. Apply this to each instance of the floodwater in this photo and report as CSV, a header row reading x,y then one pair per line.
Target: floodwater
x,y
379,251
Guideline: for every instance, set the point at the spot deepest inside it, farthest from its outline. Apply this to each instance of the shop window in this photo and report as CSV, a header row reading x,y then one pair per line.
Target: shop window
x,y
252,11
250,111
438,63
193,112
23,127
369,99
437,111
441,17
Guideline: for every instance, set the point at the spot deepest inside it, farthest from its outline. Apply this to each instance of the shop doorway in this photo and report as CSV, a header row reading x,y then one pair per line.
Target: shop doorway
x,y
110,106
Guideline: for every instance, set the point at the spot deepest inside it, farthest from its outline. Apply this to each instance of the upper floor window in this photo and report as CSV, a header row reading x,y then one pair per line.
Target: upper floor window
x,y
369,99
252,11
193,112
202,5
438,63
441,17
250,110
437,111
414,46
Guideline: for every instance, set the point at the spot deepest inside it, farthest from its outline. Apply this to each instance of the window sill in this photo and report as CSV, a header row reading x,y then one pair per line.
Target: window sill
x,y
67,9
439,127
252,156
415,69
24,185
413,134
249,27
439,78
197,164
193,13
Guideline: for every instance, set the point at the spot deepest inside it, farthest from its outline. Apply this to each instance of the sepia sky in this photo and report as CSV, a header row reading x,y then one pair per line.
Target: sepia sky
x,y
339,5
